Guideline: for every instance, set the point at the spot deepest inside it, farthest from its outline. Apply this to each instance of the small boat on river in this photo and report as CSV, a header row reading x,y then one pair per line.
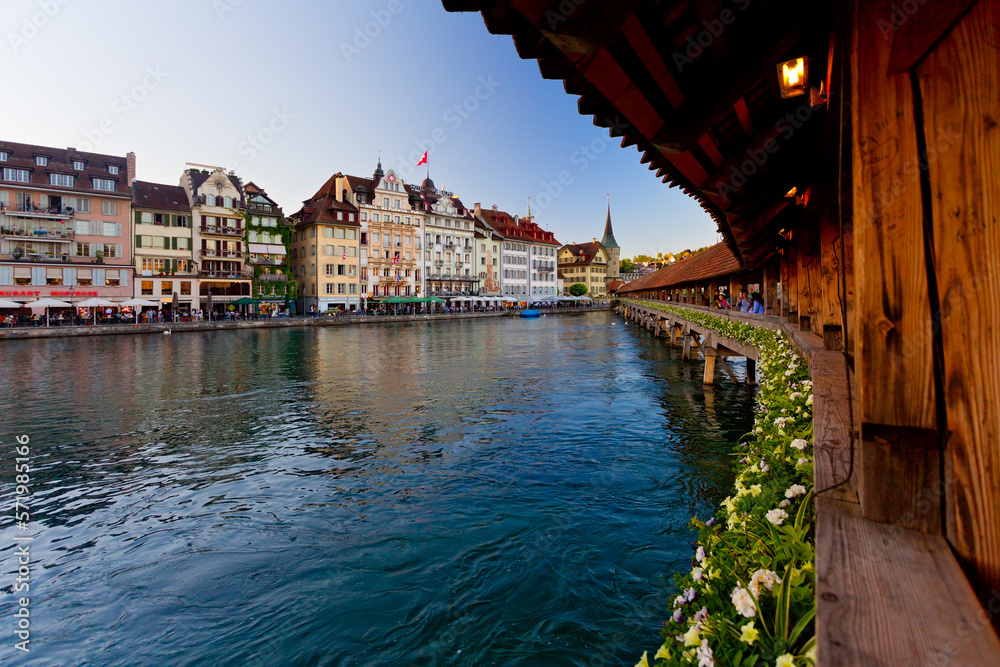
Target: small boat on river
x,y
531,313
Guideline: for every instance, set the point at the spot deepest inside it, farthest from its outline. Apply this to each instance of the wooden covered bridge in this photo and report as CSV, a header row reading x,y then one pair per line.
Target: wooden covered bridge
x,y
849,153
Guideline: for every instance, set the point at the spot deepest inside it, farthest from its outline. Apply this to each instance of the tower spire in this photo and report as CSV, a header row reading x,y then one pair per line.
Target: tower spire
x,y
609,236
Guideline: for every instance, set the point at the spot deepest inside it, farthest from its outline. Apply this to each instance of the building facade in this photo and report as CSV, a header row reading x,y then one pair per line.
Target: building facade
x,y
391,233
586,264
164,245
64,224
327,251
216,200
528,262
488,255
268,238
449,242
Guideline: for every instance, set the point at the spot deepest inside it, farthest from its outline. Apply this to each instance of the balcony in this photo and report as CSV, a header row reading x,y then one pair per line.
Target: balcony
x,y
221,254
273,278
267,261
29,211
42,235
222,231
266,209
228,275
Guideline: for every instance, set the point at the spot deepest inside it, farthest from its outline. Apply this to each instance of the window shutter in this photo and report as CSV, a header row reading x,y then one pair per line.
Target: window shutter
x,y
69,277
138,218
6,274
96,228
138,241
118,250
173,243
124,277
99,280
38,275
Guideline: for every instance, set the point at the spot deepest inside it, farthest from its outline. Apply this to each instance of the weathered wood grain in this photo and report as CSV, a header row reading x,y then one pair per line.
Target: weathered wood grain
x,y
891,596
895,365
959,82
832,426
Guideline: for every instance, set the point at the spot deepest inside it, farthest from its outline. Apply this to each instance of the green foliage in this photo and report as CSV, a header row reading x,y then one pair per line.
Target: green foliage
x,y
626,266
750,597
578,289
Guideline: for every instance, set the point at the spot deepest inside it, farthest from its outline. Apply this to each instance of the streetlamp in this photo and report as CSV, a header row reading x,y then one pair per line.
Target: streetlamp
x,y
72,310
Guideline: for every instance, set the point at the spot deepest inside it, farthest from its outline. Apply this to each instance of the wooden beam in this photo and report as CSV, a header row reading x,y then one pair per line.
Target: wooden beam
x,y
809,278
770,286
709,370
895,366
959,82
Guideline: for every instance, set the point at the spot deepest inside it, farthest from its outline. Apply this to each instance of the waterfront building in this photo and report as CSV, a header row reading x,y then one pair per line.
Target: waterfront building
x,y
164,245
487,254
613,249
587,264
268,236
449,238
327,250
216,200
64,223
529,256
391,233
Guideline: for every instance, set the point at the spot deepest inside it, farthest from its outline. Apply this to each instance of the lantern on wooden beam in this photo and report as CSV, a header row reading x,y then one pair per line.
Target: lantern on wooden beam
x,y
793,77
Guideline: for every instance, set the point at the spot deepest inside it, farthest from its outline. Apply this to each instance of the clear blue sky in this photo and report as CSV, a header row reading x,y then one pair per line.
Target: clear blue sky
x,y
194,80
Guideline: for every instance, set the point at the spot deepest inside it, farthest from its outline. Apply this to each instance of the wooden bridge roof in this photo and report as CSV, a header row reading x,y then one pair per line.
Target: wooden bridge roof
x,y
693,85
715,262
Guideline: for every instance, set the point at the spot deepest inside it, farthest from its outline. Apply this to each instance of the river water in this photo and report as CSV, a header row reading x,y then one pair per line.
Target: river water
x,y
492,492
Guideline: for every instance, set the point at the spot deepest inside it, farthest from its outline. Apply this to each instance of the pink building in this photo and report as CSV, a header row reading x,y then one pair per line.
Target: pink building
x,y
64,224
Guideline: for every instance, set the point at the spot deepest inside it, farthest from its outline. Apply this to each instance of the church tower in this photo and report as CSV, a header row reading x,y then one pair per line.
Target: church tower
x,y
614,251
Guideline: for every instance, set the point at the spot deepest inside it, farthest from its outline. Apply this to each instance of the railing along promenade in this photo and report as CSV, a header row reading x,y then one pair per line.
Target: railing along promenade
x,y
879,586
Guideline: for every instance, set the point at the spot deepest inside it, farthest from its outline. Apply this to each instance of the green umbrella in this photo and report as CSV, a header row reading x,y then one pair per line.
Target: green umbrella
x,y
245,301
434,299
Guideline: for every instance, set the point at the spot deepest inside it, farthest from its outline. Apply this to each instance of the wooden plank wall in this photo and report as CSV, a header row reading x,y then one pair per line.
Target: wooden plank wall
x,y
960,87
899,464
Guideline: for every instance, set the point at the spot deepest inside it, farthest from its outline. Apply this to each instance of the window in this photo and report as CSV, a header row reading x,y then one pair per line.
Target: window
x,y
364,217
338,233
113,169
83,250
182,221
185,288
352,251
82,205
78,165
104,184
111,229
18,175
109,207
42,161
329,269
209,200
341,288
111,250
329,288
227,202
3,156
62,180
147,288
353,288
166,287
385,202
351,234
146,218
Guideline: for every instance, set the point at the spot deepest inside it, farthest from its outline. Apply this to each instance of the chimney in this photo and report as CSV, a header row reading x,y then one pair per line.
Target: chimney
x,y
130,167
594,240
477,209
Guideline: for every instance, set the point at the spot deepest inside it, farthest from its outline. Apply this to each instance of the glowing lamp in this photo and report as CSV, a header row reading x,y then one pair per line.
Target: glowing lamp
x,y
793,77
794,191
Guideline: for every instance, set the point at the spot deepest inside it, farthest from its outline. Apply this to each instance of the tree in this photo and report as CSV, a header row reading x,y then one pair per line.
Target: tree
x,y
626,266
578,289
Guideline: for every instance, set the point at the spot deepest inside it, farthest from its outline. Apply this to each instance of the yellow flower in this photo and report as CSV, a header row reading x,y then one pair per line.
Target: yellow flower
x,y
729,505
785,660
755,490
663,653
811,654
644,662
749,634
693,636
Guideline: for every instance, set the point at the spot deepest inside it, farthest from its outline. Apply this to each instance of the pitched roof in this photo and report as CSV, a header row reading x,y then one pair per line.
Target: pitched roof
x,y
60,161
518,228
715,262
160,197
614,285
587,250
323,206
609,236
198,178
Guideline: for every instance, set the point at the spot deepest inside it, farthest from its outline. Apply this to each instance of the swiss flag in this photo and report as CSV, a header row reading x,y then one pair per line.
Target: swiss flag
x,y
423,160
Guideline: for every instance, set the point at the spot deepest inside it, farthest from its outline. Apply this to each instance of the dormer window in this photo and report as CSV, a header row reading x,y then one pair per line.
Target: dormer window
x,y
78,165
113,169
3,156
41,161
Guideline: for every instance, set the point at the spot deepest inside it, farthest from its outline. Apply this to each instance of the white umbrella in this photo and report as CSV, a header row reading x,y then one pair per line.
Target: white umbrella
x,y
4,303
94,304
49,303
137,304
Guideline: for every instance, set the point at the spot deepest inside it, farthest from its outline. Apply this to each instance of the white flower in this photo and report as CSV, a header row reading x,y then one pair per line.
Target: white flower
x,y
743,602
678,601
677,615
777,516
696,574
785,660
794,395
689,594
799,444
784,503
809,401
705,657
699,555
801,461
795,490
766,577
763,466
789,373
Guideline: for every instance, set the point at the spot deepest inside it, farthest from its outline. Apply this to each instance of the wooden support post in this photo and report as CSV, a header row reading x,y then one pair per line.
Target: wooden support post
x,y
899,454
770,287
809,280
709,370
793,287
735,287
751,371
725,367
686,354
785,276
